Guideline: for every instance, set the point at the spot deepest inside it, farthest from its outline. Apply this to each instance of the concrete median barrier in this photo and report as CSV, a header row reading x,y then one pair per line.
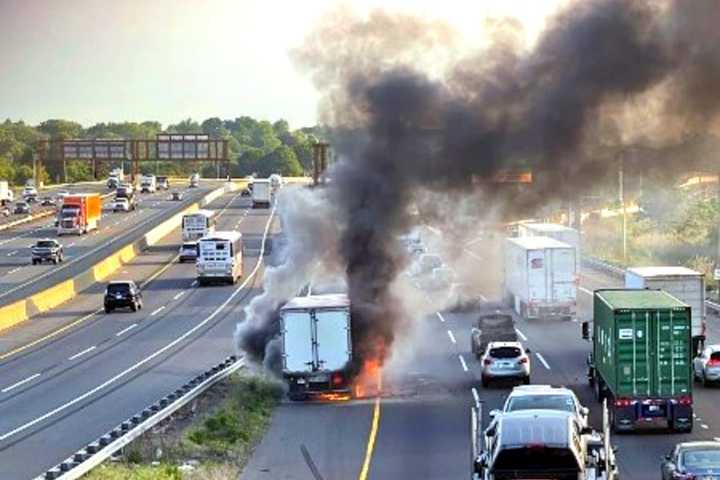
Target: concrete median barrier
x,y
16,313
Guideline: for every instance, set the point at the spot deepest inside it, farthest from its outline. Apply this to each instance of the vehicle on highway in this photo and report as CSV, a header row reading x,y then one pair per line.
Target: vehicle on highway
x,y
48,202
29,191
121,205
247,191
122,294
541,277
112,183
220,257
60,195
491,327
176,196
5,211
21,208
685,284
47,250
504,361
559,232
698,460
6,193
188,252
195,180
641,358
148,184
163,183
261,193
316,345
128,193
540,444
706,365
544,397
198,224
276,181
79,213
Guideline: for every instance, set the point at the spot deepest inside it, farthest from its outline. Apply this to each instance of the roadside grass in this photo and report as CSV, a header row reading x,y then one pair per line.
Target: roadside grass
x,y
212,442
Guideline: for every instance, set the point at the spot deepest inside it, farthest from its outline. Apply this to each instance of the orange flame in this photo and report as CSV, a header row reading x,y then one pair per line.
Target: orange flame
x,y
368,383
333,397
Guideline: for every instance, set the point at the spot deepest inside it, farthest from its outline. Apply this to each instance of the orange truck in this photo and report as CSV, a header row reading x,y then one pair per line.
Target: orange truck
x,y
79,213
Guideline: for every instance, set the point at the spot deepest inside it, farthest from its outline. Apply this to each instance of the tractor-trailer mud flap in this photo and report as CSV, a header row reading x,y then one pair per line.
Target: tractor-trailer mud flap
x,y
673,413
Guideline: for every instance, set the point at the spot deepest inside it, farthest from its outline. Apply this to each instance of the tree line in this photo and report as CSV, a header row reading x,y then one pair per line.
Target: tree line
x,y
256,147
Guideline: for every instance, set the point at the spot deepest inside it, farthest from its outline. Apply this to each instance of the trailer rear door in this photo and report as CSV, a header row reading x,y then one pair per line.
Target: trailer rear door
x,y
297,341
562,274
333,338
537,275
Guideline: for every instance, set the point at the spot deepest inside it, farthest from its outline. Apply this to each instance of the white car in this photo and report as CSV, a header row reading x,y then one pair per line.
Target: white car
x,y
544,397
121,205
29,191
706,366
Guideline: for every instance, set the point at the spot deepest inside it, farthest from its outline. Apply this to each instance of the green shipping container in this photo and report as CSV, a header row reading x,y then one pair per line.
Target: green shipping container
x,y
642,343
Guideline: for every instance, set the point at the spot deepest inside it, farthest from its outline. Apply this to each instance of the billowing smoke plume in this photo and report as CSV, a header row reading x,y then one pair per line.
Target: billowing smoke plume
x,y
400,126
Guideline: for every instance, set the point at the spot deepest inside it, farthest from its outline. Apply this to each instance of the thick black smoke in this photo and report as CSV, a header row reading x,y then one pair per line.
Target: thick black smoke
x,y
399,127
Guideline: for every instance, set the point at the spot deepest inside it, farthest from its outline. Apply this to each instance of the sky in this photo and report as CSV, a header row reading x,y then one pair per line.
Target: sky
x,y
166,60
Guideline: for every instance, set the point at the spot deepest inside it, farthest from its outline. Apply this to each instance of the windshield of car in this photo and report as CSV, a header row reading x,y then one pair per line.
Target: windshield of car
x,y
115,288
697,458
536,459
69,212
45,244
505,352
541,402
190,246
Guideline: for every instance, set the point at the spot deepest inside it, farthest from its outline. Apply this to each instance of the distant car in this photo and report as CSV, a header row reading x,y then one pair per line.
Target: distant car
x,y
112,183
195,180
706,366
122,294
5,211
246,192
698,460
163,183
127,187
544,397
31,198
47,250
505,360
176,196
188,252
29,190
121,205
48,202
21,208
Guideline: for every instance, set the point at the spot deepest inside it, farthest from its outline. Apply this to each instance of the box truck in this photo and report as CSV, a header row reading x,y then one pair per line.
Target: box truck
x,y
79,213
682,283
316,345
541,277
641,358
148,184
261,193
553,230
6,194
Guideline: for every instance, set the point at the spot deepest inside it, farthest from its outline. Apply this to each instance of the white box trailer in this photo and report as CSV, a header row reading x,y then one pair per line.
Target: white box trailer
x,y
553,230
261,193
316,345
541,277
685,284
6,194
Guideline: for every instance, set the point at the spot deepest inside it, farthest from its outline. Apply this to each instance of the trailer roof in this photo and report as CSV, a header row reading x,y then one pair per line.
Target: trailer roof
x,y
664,271
538,243
639,299
548,227
330,300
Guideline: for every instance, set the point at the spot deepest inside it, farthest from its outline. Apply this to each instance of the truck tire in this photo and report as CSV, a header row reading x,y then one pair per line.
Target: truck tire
x,y
526,380
599,391
134,307
108,309
485,381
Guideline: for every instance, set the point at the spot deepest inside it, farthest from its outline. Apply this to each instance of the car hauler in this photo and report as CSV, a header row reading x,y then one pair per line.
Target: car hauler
x,y
541,277
316,345
79,213
641,358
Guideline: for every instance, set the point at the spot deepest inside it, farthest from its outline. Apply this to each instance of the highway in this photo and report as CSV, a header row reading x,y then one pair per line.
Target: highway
x,y
20,279
105,368
422,420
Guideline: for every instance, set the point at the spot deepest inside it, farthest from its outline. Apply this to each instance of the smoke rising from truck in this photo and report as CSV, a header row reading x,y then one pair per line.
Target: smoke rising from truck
x,y
400,125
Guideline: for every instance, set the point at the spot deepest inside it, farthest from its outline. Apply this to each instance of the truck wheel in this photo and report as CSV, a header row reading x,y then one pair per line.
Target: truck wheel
x,y
526,380
55,261
485,382
599,391
134,307
108,309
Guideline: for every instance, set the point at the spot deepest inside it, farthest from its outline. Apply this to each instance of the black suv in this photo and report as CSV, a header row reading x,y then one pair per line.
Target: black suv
x,y
122,293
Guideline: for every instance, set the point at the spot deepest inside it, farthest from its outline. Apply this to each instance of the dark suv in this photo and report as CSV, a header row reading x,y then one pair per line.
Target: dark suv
x,y
122,293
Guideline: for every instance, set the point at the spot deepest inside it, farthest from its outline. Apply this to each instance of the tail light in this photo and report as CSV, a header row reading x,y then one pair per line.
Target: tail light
x,y
487,361
523,360
336,379
713,362
622,402
685,400
683,476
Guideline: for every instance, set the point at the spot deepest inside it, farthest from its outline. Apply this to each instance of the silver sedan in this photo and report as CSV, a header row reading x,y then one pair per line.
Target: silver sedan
x,y
706,366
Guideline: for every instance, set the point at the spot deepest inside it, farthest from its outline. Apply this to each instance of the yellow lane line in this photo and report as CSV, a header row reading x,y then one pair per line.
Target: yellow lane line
x,y
371,439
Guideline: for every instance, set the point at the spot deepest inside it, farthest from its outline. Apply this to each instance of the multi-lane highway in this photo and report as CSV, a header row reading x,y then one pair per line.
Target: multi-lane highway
x,y
71,387
420,428
20,279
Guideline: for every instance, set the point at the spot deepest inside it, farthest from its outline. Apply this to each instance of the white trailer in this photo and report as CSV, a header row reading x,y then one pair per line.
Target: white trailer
x,y
682,283
541,277
261,193
553,230
316,345
148,184
6,194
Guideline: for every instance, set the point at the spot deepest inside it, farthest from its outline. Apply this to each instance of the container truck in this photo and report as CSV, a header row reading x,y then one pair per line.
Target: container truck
x,y
682,283
261,193
541,277
641,358
6,194
79,213
317,345
553,230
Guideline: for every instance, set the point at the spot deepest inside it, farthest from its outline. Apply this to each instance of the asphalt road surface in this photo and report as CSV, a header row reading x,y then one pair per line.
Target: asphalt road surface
x,y
66,390
423,428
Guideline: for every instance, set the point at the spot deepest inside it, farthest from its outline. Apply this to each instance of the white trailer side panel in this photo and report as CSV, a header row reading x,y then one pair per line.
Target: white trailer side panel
x,y
333,338
297,341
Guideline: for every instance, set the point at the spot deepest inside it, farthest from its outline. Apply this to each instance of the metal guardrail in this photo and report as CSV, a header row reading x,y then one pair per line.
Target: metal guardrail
x,y
95,453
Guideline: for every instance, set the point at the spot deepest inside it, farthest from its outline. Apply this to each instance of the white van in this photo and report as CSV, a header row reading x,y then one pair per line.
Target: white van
x,y
220,257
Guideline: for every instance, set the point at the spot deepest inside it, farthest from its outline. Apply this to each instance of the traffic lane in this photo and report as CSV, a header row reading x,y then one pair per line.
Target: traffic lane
x,y
215,343
157,294
95,246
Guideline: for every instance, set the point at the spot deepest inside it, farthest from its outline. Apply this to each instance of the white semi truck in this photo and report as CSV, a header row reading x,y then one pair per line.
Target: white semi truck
x,y
685,284
6,194
261,193
541,277
316,344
